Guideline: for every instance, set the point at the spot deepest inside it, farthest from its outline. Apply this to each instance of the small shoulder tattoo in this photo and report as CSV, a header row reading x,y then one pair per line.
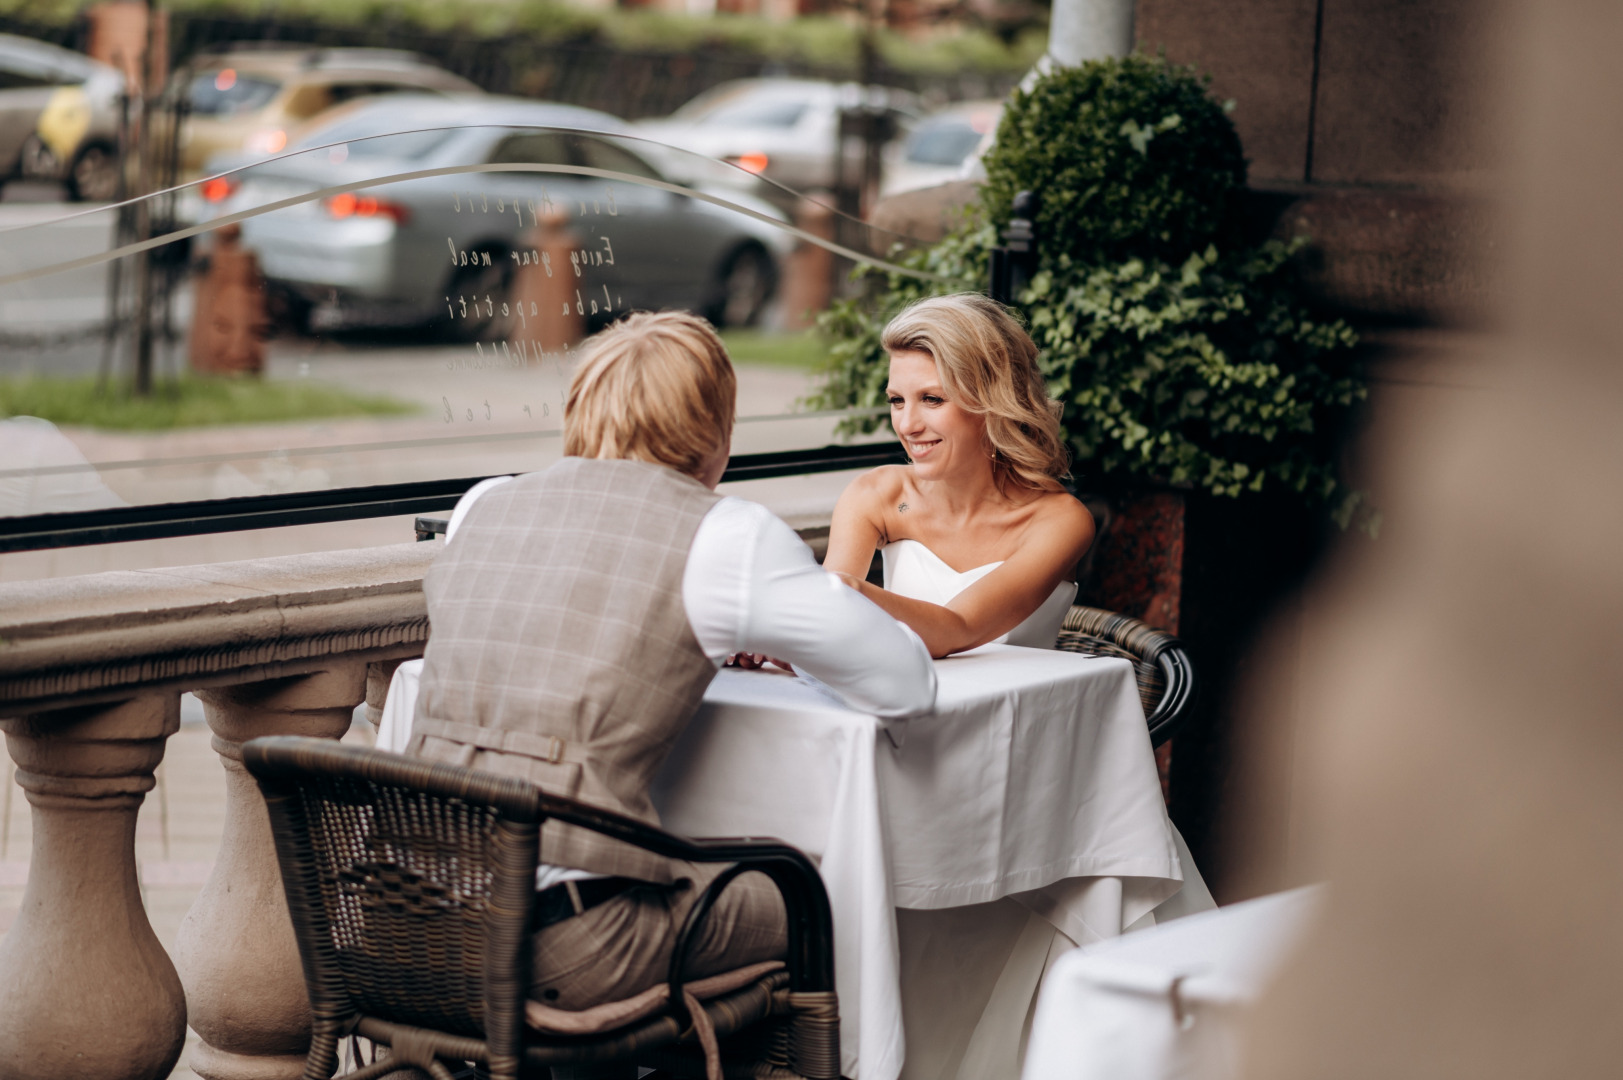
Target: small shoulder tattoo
x,y
901,508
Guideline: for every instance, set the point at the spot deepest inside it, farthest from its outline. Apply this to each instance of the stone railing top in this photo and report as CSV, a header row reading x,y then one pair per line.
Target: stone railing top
x,y
101,637
97,637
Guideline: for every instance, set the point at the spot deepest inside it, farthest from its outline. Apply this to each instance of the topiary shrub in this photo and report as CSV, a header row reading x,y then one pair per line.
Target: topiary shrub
x,y
1182,356
1130,157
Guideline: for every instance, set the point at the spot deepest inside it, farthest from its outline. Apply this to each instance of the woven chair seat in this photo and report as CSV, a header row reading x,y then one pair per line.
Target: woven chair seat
x,y
1160,665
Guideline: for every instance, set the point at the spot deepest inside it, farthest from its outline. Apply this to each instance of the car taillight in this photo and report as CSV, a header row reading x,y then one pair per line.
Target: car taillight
x,y
347,204
755,162
218,189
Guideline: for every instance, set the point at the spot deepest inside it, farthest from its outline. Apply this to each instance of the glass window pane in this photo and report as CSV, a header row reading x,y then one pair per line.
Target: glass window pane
x,y
381,306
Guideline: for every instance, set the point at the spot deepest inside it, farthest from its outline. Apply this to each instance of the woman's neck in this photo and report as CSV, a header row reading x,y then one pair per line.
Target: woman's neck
x,y
959,497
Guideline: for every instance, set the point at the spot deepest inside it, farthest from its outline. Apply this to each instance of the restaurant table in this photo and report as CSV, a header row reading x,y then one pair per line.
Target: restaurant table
x,y
1169,1003
962,850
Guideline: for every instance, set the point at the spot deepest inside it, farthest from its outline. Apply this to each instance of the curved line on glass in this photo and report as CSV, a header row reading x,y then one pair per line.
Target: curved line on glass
x,y
301,151
447,170
355,448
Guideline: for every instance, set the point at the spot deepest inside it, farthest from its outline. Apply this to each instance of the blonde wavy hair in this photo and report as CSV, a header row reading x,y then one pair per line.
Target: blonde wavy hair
x,y
988,366
655,387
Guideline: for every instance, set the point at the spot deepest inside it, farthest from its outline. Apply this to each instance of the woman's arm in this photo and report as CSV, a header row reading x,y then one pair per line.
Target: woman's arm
x,y
1001,600
855,533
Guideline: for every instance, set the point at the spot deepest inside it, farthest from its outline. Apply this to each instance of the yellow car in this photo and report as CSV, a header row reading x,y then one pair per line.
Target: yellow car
x,y
58,117
257,101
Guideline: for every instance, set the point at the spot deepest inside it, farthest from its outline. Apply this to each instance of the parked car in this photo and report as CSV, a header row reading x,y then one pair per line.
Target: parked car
x,y
261,101
58,117
941,146
784,129
379,255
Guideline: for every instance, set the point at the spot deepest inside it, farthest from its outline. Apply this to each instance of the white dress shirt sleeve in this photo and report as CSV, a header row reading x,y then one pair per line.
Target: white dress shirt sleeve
x,y
752,585
469,497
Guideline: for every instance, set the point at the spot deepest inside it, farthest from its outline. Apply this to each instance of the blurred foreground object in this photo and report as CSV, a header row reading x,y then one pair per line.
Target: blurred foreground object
x,y
1458,783
229,323
1164,1003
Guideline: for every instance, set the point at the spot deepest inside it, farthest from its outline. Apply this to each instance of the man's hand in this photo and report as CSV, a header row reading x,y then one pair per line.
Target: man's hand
x,y
752,661
849,579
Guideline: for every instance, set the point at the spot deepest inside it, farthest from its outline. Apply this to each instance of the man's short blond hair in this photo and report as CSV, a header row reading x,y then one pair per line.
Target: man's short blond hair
x,y
654,387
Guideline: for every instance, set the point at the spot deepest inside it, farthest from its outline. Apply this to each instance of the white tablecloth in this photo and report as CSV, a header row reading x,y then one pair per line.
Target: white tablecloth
x,y
1165,1004
1032,780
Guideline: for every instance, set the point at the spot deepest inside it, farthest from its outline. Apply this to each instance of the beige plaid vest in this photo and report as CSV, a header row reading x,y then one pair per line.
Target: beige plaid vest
x,y
560,648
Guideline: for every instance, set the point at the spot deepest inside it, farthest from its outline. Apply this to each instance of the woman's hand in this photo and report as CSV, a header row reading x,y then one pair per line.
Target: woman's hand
x,y
752,661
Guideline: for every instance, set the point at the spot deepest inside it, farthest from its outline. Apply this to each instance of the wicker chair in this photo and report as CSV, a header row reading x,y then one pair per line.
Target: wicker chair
x,y
411,886
1166,680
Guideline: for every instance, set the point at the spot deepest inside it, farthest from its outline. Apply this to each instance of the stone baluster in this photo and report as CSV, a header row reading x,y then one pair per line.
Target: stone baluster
x,y
86,990
236,952
378,677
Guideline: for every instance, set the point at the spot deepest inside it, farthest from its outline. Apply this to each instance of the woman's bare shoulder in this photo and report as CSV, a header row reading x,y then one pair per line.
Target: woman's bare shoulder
x,y
877,487
1060,510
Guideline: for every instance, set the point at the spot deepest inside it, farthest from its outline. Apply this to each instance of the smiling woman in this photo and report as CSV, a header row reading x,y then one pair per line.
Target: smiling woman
x,y
980,541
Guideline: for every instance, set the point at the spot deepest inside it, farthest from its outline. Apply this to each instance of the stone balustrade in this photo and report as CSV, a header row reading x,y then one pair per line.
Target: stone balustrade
x,y
91,673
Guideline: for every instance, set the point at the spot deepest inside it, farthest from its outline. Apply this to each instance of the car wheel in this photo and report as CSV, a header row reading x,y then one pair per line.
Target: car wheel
x,y
478,294
289,313
746,283
94,177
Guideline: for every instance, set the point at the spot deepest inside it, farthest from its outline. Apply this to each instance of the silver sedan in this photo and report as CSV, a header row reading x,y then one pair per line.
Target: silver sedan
x,y
401,252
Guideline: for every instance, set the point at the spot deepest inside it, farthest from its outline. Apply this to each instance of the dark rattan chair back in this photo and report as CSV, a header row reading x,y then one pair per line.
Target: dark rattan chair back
x,y
1166,679
411,887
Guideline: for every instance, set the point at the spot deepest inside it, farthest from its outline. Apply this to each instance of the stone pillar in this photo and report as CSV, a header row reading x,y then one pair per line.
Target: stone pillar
x,y
86,991
1090,30
237,957
378,677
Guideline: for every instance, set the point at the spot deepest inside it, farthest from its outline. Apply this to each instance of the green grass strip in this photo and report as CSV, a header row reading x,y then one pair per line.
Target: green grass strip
x,y
190,401
804,351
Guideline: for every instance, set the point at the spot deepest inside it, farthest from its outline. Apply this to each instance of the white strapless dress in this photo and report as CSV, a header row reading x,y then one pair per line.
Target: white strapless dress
x,y
914,571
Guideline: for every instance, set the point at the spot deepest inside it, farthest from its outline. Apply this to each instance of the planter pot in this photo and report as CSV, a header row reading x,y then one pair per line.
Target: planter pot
x,y
1211,570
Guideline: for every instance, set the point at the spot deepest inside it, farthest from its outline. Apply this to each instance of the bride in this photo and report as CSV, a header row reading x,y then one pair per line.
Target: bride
x,y
979,540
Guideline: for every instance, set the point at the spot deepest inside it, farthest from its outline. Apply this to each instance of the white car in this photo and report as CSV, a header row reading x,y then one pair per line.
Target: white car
x,y
943,146
786,130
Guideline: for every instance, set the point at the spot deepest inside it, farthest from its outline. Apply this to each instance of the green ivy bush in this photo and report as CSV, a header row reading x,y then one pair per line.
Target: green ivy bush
x,y
1181,355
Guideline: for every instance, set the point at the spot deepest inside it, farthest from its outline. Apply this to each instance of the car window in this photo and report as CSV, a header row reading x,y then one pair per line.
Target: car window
x,y
225,92
538,147
348,91
597,154
361,141
942,142
756,112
